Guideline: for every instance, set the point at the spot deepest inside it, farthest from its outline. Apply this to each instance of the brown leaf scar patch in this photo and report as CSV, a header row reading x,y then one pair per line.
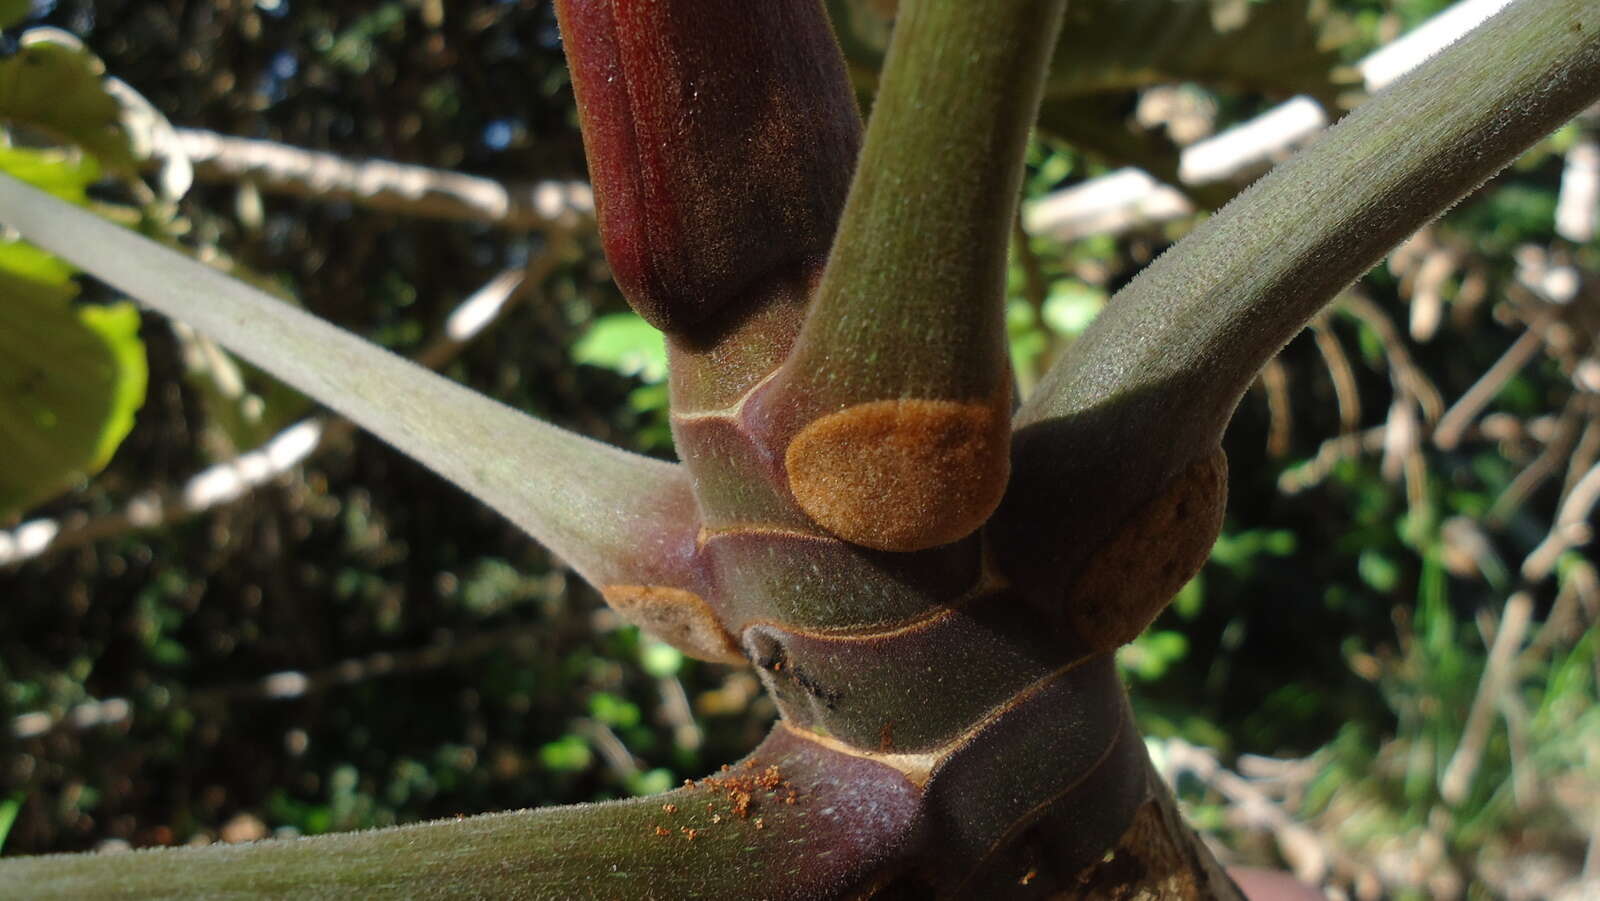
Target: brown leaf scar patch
x,y
1132,577
902,475
680,618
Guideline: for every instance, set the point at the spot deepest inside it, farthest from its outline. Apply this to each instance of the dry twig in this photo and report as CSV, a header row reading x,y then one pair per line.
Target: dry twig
x,y
383,185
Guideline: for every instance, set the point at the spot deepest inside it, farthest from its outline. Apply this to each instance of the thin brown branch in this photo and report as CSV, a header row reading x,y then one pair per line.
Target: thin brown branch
x,y
1310,857
1036,290
390,187
1497,678
1580,587
1340,371
678,713
1524,775
1332,452
1426,291
1415,470
1583,457
1402,439
1591,857
619,760
1274,380
1461,414
1034,287
1129,199
1543,466
1570,528
1408,376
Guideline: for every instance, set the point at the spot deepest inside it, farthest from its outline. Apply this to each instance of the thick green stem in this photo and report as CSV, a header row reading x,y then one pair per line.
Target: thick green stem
x,y
794,821
1176,349
892,410
616,517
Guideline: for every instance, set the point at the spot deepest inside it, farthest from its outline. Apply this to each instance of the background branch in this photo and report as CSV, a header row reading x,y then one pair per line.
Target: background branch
x,y
383,185
1130,198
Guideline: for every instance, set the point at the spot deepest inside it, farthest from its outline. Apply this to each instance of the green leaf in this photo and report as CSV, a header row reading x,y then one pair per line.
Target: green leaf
x,y
56,86
614,711
14,11
71,378
569,754
1189,600
1150,655
9,808
660,659
624,343
66,177
653,782
1071,306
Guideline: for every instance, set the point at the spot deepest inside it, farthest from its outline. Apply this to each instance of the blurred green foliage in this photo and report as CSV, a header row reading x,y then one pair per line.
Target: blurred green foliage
x,y
71,375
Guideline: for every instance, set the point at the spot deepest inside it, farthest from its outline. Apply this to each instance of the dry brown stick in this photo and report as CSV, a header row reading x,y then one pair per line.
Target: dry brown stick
x,y
1543,466
1345,390
1402,438
1578,202
679,713
387,186
1036,291
1034,287
1591,857
1415,470
1274,380
1427,294
1583,457
1497,678
1461,414
1524,776
1408,376
1332,452
1307,854
1128,198
619,760
1570,528
1579,583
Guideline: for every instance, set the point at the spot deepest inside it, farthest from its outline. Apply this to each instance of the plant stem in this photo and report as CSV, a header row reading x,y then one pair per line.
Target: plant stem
x,y
1176,349
892,410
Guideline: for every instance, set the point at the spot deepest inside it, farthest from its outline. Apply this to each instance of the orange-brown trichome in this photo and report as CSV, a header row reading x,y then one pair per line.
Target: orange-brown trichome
x,y
1133,576
680,618
902,475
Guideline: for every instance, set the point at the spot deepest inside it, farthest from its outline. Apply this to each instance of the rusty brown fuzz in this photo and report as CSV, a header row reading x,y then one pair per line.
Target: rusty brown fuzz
x,y
902,475
1133,576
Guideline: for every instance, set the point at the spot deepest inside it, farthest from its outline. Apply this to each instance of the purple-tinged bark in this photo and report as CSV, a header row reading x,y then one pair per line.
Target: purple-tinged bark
x,y
721,135
794,821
